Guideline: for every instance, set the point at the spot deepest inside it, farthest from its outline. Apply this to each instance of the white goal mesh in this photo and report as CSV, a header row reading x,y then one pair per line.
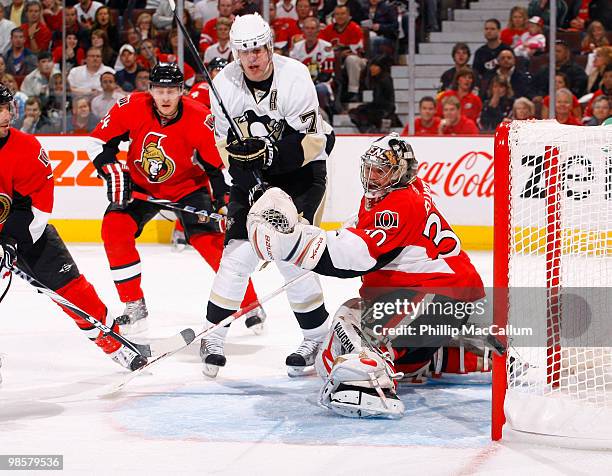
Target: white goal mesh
x,y
559,275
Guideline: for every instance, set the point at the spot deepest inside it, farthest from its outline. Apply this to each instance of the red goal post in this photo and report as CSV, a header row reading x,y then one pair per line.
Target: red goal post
x,y
552,267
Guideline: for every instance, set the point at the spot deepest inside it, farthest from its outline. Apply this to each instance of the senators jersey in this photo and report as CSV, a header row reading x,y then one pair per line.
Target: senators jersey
x,y
320,59
287,112
160,157
402,241
26,188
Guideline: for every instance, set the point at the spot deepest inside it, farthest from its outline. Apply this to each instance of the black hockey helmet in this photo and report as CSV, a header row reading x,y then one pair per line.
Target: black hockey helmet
x,y
217,64
5,95
166,74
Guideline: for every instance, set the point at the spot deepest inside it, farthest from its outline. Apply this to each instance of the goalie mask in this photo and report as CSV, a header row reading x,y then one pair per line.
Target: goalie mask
x,y
388,163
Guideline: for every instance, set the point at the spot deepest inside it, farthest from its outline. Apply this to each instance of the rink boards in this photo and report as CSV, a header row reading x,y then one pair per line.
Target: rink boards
x,y
458,169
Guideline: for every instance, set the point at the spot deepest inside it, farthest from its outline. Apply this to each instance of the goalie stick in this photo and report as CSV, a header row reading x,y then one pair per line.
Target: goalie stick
x,y
204,71
240,312
185,337
204,214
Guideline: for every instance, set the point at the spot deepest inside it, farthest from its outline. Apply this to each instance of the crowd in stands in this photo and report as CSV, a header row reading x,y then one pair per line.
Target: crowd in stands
x,y
111,45
509,75
348,46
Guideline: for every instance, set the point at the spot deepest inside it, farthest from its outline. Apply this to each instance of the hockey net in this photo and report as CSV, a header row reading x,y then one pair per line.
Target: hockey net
x,y
552,274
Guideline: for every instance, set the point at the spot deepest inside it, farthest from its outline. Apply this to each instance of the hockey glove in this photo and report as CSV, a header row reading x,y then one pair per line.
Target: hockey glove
x,y
8,254
118,183
251,153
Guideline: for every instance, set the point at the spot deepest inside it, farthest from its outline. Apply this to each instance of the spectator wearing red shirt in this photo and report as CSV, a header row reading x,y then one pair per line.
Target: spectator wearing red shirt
x,y
52,14
75,56
453,122
471,105
563,108
347,39
284,29
605,89
209,32
427,123
37,35
517,25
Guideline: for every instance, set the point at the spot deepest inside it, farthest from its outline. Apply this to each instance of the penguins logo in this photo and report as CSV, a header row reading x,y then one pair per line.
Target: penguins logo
x,y
5,207
154,163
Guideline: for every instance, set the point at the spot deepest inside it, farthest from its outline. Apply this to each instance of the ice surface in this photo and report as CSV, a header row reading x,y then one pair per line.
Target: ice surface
x,y
252,419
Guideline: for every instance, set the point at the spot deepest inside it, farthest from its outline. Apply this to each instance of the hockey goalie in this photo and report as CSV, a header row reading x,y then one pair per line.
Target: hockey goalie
x,y
400,246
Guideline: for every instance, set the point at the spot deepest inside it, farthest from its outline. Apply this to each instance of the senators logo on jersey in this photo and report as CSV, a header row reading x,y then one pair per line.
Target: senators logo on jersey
x,y
5,207
154,163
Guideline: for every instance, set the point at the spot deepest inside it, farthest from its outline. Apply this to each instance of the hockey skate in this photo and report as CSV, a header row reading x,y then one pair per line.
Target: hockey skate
x,y
304,357
118,352
134,318
211,353
255,320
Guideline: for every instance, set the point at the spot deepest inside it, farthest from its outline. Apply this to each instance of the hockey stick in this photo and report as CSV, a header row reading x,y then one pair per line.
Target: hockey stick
x,y
240,312
204,214
194,52
186,336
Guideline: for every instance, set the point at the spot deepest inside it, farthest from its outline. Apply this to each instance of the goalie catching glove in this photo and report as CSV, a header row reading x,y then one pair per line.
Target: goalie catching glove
x,y
118,183
251,153
278,233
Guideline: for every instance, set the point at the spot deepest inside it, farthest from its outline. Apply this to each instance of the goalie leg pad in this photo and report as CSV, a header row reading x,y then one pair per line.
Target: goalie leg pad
x,y
361,385
341,338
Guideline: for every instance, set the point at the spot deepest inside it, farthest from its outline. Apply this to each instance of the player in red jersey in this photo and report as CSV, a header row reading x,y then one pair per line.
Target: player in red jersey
x,y
29,242
404,249
164,129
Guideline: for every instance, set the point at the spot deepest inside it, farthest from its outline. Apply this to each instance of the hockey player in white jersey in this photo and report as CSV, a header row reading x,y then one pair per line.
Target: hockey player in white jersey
x,y
273,103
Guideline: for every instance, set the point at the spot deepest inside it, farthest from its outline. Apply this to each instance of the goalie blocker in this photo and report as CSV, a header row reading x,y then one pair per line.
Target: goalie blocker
x,y
401,240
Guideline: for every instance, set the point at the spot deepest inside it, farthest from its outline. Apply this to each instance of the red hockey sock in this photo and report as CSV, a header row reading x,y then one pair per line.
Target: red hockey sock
x,y
210,246
453,361
178,226
83,295
119,236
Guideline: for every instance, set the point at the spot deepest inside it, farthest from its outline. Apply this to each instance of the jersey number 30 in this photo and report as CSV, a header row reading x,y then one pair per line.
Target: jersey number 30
x,y
433,220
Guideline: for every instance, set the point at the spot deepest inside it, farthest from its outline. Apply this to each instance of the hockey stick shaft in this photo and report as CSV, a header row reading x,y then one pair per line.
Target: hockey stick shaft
x,y
138,348
240,312
178,207
194,52
145,350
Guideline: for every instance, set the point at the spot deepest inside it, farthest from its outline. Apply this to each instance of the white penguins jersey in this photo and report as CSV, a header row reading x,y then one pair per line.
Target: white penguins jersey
x,y
290,105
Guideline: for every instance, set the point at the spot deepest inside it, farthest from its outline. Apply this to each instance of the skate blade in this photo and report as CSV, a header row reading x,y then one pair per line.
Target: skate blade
x,y
130,330
297,372
210,371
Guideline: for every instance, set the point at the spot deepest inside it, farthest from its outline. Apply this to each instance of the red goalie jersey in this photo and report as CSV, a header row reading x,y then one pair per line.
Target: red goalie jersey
x,y
160,157
404,241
